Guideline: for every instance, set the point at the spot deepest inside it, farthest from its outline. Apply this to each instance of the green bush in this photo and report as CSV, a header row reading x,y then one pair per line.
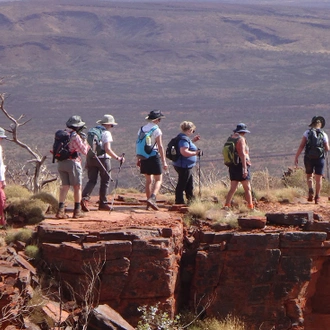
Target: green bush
x,y
49,199
23,235
32,251
16,191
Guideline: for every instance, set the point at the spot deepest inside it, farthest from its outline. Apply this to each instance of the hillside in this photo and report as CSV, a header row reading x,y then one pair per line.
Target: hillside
x,y
213,63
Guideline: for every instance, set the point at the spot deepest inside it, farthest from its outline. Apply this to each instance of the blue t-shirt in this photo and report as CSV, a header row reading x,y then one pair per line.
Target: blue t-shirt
x,y
186,162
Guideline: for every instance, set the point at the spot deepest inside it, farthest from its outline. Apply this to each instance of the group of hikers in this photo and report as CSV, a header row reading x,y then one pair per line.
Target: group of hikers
x,y
152,161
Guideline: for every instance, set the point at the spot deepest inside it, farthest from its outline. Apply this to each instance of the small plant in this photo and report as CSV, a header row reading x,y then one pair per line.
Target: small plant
x,y
32,251
23,235
229,323
15,191
153,319
48,199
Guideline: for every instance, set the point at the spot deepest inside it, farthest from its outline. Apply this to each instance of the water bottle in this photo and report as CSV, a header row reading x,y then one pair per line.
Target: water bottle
x,y
148,141
173,151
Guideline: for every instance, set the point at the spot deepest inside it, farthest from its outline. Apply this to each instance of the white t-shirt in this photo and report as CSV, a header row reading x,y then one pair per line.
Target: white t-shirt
x,y
106,137
325,136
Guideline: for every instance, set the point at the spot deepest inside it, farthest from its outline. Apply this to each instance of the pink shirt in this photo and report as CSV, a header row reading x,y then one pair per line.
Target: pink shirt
x,y
78,145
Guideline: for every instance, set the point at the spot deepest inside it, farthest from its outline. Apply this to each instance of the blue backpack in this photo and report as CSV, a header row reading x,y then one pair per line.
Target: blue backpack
x,y
144,149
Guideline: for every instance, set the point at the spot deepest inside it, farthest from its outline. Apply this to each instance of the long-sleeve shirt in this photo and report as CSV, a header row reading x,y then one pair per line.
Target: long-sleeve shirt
x,y
79,145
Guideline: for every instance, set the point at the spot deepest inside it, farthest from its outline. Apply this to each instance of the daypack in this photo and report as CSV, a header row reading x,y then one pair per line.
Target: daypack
x,y
315,144
172,149
94,137
61,146
230,156
143,146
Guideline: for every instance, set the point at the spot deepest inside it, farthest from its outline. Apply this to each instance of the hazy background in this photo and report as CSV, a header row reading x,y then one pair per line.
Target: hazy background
x,y
216,63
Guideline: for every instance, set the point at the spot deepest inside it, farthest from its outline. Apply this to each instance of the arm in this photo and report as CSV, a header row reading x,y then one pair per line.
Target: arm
x,y
111,153
185,152
241,150
300,149
78,144
159,142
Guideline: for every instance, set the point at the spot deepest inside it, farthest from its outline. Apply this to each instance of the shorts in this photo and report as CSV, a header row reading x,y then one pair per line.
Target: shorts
x,y
236,173
70,172
151,166
314,165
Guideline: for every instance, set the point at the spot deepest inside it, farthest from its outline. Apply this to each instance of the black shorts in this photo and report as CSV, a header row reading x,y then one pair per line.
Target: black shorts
x,y
151,166
236,173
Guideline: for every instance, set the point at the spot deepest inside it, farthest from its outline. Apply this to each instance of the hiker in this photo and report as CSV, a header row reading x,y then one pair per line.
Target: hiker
x,y
100,165
314,158
185,162
152,167
2,181
70,170
240,173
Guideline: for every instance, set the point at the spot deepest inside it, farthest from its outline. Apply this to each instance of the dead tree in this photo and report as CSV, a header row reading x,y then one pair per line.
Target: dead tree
x,y
37,159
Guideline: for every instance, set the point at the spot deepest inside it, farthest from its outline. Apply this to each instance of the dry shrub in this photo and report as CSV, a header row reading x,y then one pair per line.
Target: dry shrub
x,y
31,211
261,180
23,235
32,251
16,191
49,199
229,323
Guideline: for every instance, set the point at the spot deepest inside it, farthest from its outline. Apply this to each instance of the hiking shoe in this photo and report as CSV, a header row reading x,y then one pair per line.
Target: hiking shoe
x,y
317,199
78,214
152,203
61,214
104,207
84,205
310,194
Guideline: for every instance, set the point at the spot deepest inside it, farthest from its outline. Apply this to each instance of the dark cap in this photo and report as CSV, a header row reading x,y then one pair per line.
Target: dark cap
x,y
75,121
315,119
155,114
241,128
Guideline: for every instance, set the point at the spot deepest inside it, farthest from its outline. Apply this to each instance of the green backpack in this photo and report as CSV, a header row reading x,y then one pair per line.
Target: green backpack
x,y
94,137
230,156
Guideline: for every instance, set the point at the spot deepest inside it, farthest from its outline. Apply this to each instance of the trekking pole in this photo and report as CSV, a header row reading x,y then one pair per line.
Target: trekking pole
x,y
105,170
116,182
199,172
327,162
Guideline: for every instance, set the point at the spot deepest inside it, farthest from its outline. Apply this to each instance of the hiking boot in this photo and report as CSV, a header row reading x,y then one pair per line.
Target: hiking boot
x,y
78,214
61,214
84,205
317,199
310,195
104,207
152,203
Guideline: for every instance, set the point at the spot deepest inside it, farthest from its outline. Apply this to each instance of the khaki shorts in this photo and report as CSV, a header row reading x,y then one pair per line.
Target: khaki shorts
x,y
70,172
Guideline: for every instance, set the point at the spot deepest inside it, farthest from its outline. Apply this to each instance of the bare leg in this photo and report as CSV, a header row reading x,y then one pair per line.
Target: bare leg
x,y
77,193
232,190
63,192
248,194
318,184
149,180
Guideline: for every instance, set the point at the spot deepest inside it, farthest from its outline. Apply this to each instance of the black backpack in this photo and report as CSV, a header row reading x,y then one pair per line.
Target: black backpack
x,y
94,137
315,144
172,149
61,146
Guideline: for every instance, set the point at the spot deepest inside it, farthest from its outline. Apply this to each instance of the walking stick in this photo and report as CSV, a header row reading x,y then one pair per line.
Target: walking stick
x,y
327,162
116,183
199,172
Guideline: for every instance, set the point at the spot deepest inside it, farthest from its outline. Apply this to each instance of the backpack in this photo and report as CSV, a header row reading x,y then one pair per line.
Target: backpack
x,y
94,137
230,156
173,150
143,146
61,146
315,144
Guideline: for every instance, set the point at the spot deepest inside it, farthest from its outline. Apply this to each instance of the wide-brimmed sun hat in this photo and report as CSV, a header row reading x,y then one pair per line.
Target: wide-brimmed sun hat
x,y
155,114
2,133
107,120
315,119
75,121
241,128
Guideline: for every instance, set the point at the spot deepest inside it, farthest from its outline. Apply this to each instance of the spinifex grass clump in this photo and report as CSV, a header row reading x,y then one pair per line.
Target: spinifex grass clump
x,y
23,235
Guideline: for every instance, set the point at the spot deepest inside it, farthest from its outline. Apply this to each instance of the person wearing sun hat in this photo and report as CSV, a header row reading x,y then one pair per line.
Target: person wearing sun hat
x,y
70,170
316,144
240,173
2,181
96,167
152,166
